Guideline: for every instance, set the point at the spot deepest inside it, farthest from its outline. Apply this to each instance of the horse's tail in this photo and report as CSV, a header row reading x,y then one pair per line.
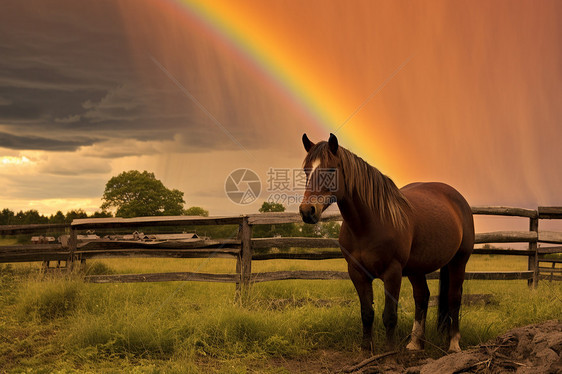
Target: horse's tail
x,y
443,319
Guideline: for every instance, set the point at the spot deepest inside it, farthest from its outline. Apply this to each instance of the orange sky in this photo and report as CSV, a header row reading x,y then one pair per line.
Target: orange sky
x,y
477,105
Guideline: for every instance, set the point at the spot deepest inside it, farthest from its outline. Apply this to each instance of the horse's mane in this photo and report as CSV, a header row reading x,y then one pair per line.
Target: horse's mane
x,y
374,188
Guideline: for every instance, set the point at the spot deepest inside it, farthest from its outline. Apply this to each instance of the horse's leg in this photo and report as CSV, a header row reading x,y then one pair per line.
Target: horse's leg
x,y
456,278
421,298
392,279
364,285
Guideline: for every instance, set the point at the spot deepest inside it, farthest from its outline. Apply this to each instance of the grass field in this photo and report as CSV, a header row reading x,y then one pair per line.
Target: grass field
x,y
56,322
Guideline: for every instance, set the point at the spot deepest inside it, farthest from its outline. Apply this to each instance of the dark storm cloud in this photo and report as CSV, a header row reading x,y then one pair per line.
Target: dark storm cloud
x,y
41,143
68,79
69,76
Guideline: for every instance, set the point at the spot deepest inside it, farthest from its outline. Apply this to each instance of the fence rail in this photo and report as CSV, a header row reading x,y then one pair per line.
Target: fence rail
x,y
244,246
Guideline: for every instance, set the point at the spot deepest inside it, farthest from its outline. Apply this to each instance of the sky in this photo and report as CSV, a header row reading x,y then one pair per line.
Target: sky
x,y
465,92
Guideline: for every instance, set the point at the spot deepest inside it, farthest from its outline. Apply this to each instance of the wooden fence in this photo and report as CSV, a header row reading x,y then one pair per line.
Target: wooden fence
x,y
242,247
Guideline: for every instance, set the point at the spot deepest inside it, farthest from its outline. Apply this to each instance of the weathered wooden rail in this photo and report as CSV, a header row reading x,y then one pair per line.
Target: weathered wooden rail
x,y
243,247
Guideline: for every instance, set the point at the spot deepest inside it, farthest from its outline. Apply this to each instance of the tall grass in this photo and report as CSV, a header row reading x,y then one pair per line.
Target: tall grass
x,y
205,320
50,299
60,323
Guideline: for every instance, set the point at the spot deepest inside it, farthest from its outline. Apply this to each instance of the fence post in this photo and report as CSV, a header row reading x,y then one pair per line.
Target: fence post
x,y
534,258
72,245
244,260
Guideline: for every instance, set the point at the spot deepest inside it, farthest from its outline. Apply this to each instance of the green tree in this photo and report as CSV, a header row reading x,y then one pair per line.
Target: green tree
x,y
30,217
311,231
102,214
75,214
320,230
7,217
135,194
330,229
58,217
284,229
271,207
196,211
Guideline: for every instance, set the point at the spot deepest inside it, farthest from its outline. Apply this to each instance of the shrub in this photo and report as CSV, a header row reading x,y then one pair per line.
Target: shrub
x,y
49,299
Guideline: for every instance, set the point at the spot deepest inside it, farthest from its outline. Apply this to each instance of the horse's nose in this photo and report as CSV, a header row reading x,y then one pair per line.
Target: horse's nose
x,y
307,214
312,210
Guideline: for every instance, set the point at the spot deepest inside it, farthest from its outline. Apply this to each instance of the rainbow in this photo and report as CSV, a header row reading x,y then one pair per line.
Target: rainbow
x,y
271,55
264,53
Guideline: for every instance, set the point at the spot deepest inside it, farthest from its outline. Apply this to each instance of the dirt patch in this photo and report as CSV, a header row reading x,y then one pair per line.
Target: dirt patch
x,y
524,350
324,361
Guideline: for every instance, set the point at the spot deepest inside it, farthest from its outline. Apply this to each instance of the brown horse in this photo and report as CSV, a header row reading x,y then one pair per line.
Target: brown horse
x,y
388,233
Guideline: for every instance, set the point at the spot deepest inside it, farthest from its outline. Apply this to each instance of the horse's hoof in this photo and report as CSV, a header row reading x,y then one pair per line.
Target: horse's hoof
x,y
414,346
454,346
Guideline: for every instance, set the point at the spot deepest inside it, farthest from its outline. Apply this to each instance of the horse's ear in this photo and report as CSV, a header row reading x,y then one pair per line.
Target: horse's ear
x,y
333,143
306,142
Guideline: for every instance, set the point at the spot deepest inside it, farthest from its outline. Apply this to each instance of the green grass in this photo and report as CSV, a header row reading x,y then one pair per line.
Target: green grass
x,y
55,322
8,241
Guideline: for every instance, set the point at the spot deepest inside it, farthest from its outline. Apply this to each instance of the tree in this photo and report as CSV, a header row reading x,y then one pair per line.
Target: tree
x,y
102,214
30,217
196,211
58,217
135,194
75,214
271,207
309,231
283,229
330,229
7,217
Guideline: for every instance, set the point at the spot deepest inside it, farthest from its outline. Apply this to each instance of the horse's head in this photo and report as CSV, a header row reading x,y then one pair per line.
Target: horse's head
x,y
324,180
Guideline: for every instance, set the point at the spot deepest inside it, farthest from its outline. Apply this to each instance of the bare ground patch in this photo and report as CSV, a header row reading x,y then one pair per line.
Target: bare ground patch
x,y
530,349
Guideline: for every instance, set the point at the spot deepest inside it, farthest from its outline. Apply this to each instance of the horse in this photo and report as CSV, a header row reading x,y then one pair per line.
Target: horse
x,y
388,233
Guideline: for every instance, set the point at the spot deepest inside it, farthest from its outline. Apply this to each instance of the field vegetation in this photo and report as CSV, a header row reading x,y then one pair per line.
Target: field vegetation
x,y
56,322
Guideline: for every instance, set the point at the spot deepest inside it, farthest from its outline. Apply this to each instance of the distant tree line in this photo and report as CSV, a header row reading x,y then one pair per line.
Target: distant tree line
x,y
9,217
130,194
136,194
32,216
